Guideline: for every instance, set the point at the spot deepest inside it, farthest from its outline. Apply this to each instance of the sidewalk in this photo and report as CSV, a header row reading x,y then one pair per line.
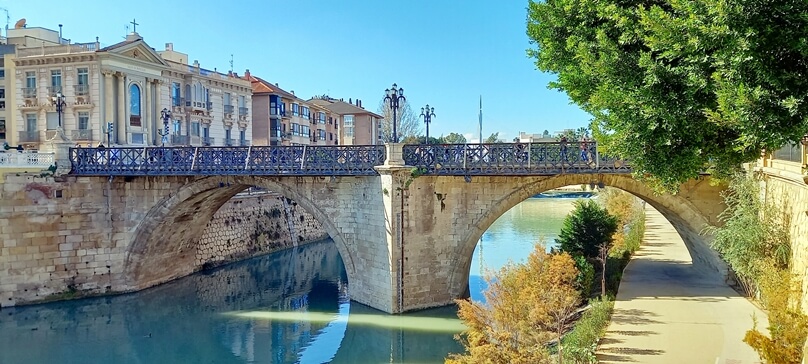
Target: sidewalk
x,y
668,311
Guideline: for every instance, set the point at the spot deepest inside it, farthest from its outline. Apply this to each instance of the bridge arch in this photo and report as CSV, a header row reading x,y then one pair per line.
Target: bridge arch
x,y
162,247
694,207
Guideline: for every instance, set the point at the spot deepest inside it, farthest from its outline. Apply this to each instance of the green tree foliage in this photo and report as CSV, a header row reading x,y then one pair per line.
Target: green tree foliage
x,y
526,306
454,138
586,228
678,86
586,276
493,138
630,220
753,232
412,139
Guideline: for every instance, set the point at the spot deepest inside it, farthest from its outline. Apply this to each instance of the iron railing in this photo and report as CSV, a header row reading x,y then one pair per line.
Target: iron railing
x,y
29,92
242,111
81,90
208,161
228,109
511,159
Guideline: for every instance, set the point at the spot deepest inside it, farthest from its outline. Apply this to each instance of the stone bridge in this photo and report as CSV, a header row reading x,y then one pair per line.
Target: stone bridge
x,y
406,240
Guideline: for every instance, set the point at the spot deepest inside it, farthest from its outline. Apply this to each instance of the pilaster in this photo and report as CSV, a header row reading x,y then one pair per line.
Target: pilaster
x,y
121,126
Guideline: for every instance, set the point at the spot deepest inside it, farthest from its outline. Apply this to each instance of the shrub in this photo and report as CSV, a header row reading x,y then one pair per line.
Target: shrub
x,y
586,228
580,343
586,276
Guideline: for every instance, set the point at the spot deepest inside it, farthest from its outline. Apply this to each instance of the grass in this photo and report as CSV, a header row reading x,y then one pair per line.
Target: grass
x,y
579,345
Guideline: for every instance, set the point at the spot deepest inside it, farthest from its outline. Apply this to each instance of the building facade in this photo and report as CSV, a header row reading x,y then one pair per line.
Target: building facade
x,y
281,118
357,126
123,94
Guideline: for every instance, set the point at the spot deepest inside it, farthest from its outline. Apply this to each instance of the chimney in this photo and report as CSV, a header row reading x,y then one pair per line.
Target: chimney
x,y
276,84
350,101
292,91
247,74
196,63
169,46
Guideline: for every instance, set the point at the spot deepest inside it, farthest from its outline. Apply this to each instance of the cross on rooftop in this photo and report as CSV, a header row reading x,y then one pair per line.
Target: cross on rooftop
x,y
134,25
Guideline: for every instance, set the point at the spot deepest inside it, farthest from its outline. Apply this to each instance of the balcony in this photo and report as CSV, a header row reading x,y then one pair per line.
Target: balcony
x,y
53,90
81,90
228,109
14,159
180,140
177,101
209,105
29,92
58,49
32,136
230,142
82,135
208,141
242,111
244,143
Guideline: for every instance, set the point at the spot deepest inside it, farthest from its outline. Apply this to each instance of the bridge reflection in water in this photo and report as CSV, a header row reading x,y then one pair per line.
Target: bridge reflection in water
x,y
286,307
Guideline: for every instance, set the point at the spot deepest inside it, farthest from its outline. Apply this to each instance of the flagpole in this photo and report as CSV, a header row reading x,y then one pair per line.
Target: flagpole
x,y
481,119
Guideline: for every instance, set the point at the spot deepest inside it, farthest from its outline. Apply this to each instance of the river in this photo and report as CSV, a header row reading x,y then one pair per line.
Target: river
x,y
287,307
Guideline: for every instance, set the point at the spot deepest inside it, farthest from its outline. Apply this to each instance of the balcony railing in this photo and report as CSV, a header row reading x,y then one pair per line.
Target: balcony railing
x,y
242,111
208,141
177,101
82,134
180,140
53,90
29,92
15,159
209,105
82,90
228,109
230,142
244,143
58,49
32,136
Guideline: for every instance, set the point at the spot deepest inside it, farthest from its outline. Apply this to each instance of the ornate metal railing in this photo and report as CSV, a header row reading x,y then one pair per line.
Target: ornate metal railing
x,y
265,161
511,159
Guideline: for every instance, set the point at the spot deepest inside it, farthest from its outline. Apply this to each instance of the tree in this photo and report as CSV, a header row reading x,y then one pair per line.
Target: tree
x,y
526,306
454,138
678,87
493,138
588,227
407,123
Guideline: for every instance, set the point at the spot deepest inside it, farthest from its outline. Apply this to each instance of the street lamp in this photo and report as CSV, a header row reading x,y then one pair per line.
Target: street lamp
x,y
427,113
166,116
393,96
59,101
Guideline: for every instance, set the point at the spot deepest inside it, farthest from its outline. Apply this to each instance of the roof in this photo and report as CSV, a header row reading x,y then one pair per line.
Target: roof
x,y
342,107
118,45
261,86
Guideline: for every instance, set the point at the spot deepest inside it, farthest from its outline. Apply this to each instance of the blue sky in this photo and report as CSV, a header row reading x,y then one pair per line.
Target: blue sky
x,y
445,53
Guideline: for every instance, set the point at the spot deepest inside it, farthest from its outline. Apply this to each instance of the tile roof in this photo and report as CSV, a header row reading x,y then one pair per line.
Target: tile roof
x,y
261,86
342,107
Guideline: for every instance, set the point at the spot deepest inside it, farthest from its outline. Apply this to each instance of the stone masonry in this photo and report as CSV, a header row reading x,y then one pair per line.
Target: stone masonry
x,y
255,224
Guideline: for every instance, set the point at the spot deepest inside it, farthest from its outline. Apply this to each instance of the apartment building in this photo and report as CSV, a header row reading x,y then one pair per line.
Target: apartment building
x,y
207,107
5,51
117,94
357,126
281,118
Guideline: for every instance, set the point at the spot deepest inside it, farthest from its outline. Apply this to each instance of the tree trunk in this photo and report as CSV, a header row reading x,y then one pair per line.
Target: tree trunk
x,y
603,279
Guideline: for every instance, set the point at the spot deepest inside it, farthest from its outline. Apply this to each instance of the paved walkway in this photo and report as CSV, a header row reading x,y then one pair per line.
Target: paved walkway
x,y
668,311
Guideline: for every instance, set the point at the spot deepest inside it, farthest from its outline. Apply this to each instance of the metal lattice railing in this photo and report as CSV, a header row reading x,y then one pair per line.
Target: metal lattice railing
x,y
208,161
511,159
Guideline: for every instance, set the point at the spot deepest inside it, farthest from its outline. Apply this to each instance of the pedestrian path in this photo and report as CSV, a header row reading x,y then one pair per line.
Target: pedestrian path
x,y
668,311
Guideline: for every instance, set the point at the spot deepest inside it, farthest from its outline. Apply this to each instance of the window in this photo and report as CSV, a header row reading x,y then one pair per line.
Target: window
x,y
305,112
2,75
321,134
242,136
177,127
30,123
176,94
199,92
295,109
56,81
348,125
134,105
84,120
84,76
227,137
194,128
321,117
304,131
242,102
2,128
227,99
30,84
137,138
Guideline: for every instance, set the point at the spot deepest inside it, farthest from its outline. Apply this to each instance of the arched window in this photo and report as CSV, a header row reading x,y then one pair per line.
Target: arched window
x,y
134,105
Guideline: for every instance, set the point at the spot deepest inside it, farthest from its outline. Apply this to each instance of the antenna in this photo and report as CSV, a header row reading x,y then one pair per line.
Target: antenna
x,y
125,31
8,20
231,62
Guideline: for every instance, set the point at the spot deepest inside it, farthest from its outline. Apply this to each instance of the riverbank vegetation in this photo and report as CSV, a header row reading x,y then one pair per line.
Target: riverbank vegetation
x,y
754,240
531,307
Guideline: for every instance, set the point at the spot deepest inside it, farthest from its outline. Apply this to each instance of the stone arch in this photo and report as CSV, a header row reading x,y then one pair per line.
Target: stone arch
x,y
696,206
161,247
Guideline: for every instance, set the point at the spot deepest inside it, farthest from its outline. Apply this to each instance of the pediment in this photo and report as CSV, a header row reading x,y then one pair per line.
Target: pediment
x,y
138,50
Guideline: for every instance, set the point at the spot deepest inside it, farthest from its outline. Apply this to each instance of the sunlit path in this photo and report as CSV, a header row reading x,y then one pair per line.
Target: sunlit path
x,y
669,311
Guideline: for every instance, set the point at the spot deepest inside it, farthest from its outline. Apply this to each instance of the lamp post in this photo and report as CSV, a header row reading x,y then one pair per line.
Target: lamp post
x,y
394,96
166,116
427,113
59,101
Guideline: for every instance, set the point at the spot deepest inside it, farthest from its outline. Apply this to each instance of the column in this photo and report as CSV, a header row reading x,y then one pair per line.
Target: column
x,y
158,102
121,126
109,105
147,112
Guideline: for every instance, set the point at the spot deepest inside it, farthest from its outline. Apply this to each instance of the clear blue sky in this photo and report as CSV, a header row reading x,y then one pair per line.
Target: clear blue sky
x,y
445,53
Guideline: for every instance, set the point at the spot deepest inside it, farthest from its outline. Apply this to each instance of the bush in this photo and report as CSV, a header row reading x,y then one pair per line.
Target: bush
x,y
586,228
580,343
586,276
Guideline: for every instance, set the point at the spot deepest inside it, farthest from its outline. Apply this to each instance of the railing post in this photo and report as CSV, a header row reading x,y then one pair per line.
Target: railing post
x,y
395,154
247,159
529,151
597,157
303,158
193,161
465,154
